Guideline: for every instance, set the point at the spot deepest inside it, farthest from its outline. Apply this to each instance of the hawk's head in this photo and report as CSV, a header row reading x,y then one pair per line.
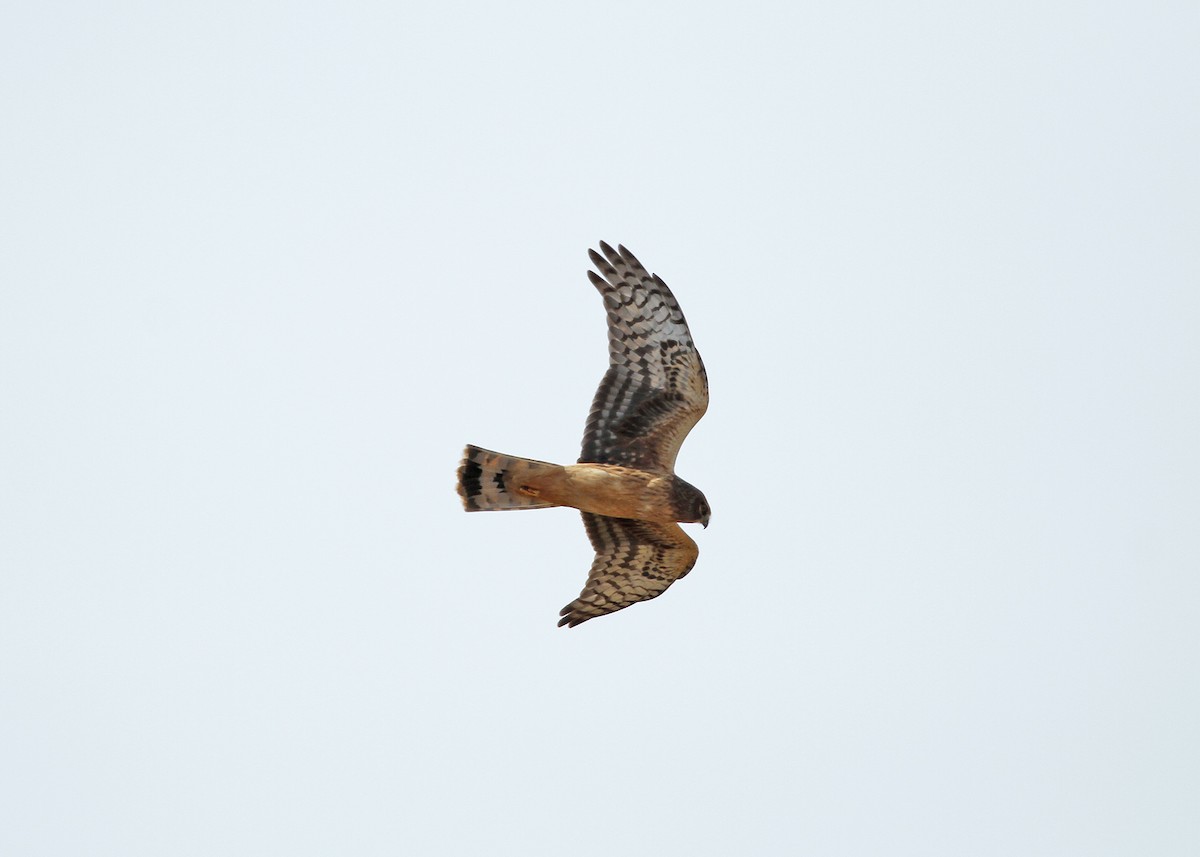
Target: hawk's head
x,y
689,503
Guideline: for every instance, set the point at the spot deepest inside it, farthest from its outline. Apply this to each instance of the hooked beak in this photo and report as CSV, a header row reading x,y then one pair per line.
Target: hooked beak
x,y
704,522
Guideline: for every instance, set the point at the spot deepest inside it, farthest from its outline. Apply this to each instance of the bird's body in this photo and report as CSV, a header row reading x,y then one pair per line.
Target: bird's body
x,y
605,489
655,390
602,489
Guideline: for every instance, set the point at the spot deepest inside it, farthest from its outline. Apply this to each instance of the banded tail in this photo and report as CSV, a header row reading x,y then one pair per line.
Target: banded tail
x,y
490,481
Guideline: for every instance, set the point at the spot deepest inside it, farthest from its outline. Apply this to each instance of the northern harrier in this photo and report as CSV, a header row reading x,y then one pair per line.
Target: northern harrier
x,y
655,390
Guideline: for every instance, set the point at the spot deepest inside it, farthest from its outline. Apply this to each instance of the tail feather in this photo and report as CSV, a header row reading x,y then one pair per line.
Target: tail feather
x,y
485,477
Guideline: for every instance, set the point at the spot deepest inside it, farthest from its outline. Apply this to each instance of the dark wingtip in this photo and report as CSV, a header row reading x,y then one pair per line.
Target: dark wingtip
x,y
629,258
604,266
570,618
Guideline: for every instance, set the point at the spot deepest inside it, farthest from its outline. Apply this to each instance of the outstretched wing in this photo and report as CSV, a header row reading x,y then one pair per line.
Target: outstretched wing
x,y
635,561
655,389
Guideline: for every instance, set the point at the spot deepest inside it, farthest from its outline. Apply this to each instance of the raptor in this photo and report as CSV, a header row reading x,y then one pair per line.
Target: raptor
x,y
654,392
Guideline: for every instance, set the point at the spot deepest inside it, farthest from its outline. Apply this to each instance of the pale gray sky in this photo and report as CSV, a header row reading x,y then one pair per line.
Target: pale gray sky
x,y
265,268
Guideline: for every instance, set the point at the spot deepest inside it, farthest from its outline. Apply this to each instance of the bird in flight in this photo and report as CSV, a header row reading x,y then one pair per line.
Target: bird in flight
x,y
625,485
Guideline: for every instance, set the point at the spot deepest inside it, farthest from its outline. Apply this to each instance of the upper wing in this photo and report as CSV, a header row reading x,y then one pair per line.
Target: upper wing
x,y
635,561
655,389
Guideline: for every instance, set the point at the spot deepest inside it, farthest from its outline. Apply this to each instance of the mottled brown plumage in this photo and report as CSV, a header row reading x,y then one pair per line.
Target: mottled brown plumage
x,y
654,391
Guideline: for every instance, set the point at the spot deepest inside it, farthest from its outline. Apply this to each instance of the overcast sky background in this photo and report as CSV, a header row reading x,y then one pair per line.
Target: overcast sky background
x,y
265,268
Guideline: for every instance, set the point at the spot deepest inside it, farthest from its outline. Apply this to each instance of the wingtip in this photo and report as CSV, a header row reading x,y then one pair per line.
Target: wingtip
x,y
629,258
570,618
608,273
